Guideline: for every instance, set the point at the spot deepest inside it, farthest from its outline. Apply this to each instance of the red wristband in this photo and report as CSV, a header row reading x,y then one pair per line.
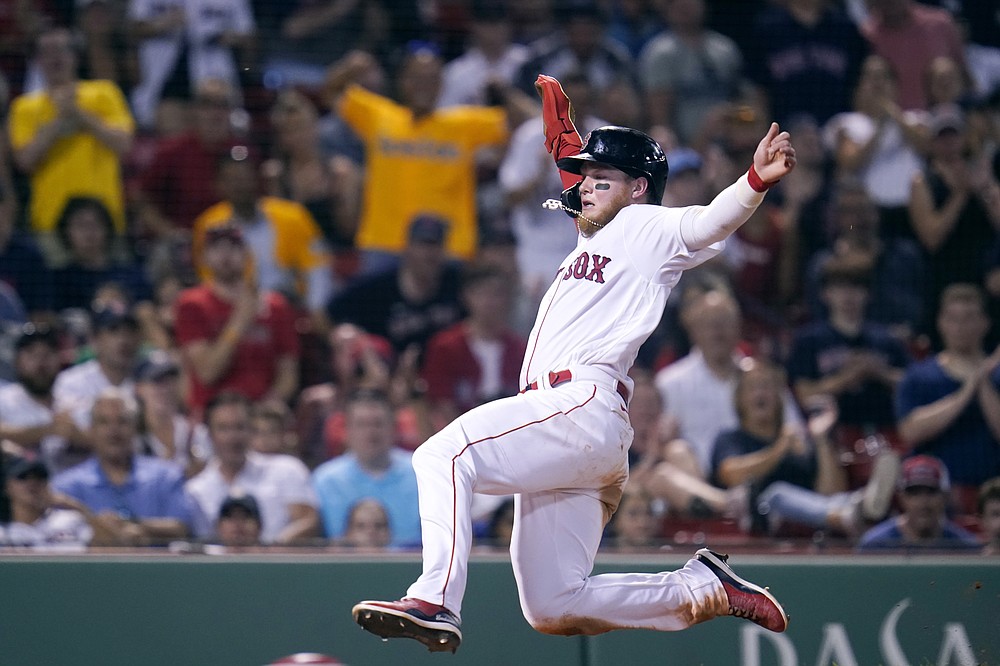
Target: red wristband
x,y
756,183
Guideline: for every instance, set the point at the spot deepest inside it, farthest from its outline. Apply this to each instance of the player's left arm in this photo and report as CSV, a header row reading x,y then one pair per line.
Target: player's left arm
x,y
773,159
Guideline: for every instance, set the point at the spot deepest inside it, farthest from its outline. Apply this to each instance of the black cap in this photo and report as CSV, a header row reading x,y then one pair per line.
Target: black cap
x,y
112,318
245,503
625,149
22,468
428,229
32,333
158,365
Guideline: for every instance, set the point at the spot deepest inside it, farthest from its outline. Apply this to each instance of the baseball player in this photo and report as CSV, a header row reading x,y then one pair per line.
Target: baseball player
x,y
561,444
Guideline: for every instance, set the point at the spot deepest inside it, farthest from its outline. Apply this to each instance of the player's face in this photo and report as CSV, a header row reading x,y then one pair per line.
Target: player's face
x,y
604,191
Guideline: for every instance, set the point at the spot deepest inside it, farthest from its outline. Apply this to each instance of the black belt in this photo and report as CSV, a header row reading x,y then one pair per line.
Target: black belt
x,y
562,376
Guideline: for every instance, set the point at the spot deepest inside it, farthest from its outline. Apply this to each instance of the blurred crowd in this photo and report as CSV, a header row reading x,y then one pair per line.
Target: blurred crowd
x,y
253,253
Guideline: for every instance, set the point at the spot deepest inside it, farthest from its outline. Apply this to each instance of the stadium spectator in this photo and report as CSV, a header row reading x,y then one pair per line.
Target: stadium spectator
x,y
697,389
848,357
923,524
954,206
419,159
115,341
279,483
233,335
896,289
804,57
308,35
374,467
408,304
40,520
70,137
794,477
946,83
182,44
578,44
805,199
28,417
179,183
22,266
948,405
880,143
138,500
271,429
910,35
239,522
634,525
287,252
86,233
633,24
358,360
989,515
490,59
165,431
367,526
301,170
478,359
687,70
760,256
104,52
682,493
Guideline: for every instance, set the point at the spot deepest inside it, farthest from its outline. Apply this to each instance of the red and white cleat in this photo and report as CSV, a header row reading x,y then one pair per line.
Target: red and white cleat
x,y
434,626
746,600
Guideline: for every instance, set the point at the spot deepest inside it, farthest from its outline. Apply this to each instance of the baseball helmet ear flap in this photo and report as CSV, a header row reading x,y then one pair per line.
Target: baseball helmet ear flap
x,y
625,149
571,200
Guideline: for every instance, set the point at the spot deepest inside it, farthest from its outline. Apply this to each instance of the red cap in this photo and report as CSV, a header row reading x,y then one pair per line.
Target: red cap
x,y
925,471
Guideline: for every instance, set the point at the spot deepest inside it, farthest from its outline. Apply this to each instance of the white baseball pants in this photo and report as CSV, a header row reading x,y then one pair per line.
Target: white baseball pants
x,y
563,452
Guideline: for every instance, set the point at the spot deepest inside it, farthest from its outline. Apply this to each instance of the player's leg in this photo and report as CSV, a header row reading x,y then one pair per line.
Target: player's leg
x,y
556,536
542,439
535,441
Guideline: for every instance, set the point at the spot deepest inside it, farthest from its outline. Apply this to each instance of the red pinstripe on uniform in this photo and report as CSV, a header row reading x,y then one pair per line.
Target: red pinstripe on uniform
x,y
454,493
527,367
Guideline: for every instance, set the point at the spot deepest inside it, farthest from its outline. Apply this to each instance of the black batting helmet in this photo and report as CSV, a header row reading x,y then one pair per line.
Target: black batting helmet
x,y
626,149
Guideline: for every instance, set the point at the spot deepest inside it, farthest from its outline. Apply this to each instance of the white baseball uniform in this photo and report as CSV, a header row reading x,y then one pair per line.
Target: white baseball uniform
x,y
563,449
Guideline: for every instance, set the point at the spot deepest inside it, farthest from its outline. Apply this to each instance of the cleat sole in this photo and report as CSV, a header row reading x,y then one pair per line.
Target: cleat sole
x,y
388,625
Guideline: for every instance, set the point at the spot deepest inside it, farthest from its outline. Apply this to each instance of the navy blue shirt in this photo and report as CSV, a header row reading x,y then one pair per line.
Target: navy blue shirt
x,y
806,70
155,489
966,447
75,285
378,306
24,269
799,470
819,350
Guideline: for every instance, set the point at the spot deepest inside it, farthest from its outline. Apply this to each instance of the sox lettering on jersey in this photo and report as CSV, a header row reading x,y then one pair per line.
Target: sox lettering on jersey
x,y
587,267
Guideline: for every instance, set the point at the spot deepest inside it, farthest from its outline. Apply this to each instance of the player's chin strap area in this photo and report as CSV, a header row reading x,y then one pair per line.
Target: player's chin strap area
x,y
570,202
